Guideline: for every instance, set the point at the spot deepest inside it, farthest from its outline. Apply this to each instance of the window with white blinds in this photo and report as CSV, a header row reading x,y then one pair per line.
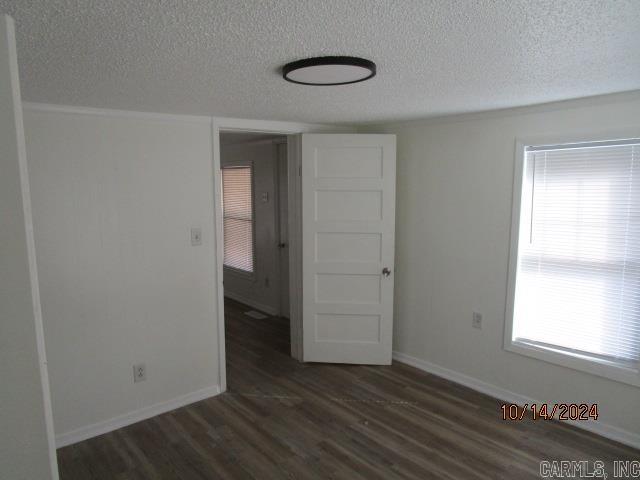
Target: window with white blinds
x,y
237,207
577,285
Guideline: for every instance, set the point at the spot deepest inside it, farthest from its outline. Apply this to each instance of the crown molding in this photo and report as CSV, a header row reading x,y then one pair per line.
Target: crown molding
x,y
574,103
106,112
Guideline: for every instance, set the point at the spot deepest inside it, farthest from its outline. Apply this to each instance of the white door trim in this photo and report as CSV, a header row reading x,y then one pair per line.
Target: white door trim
x,y
292,129
294,200
7,30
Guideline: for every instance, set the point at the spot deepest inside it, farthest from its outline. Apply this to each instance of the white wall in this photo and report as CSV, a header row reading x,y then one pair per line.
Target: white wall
x,y
260,290
114,197
454,180
25,421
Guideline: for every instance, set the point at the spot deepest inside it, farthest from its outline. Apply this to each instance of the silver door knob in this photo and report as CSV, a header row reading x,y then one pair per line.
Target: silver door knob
x,y
386,272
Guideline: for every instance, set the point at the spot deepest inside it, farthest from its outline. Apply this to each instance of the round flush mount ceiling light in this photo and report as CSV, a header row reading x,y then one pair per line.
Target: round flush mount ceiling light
x,y
329,70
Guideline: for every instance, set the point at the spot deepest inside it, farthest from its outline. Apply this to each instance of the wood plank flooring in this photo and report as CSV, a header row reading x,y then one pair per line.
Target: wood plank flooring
x,y
284,419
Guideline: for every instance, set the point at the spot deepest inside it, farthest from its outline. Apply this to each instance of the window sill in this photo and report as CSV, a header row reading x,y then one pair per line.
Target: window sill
x,y
594,366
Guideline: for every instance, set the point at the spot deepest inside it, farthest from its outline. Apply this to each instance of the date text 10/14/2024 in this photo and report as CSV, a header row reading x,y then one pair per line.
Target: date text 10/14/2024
x,y
546,411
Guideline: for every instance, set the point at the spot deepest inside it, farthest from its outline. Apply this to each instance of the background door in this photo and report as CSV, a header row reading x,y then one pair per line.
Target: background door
x,y
348,221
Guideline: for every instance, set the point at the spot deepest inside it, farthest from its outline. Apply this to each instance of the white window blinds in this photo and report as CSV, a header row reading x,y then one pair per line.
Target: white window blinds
x,y
237,206
578,270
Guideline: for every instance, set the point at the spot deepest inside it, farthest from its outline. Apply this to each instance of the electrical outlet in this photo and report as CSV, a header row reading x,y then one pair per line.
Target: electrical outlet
x,y
196,236
476,322
139,372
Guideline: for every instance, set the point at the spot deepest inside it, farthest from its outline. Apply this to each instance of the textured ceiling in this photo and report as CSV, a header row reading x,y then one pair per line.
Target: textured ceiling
x,y
222,57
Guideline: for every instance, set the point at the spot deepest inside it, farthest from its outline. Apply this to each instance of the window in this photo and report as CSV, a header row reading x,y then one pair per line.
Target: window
x,y
575,269
237,207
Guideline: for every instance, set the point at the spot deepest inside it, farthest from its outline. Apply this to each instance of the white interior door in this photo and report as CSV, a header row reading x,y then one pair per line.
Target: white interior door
x,y
348,221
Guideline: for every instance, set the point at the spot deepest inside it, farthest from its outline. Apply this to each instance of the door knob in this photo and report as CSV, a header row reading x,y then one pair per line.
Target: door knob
x,y
386,272
282,245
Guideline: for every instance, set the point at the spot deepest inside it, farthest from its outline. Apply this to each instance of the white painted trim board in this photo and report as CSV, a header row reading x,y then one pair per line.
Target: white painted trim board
x,y
572,103
109,112
8,30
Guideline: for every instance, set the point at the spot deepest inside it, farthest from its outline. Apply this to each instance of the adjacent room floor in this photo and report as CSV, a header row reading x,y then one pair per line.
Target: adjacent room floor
x,y
284,419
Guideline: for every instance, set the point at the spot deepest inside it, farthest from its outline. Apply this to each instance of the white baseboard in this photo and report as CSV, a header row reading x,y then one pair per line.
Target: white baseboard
x,y
95,429
252,303
609,431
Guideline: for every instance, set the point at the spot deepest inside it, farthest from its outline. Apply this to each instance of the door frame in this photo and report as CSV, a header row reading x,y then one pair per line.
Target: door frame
x,y
294,151
19,177
278,188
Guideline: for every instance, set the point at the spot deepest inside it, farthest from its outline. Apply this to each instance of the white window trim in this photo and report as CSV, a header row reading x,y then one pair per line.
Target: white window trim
x,y
594,366
252,276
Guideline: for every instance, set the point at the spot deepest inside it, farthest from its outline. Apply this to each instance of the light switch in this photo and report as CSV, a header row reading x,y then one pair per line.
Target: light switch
x,y
265,197
196,236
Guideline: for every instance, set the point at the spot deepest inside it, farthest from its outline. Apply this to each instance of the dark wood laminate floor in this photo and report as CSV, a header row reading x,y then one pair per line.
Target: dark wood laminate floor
x,y
283,419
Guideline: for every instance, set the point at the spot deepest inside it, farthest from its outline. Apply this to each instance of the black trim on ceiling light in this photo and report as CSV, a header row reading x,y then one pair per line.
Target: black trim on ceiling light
x,y
319,61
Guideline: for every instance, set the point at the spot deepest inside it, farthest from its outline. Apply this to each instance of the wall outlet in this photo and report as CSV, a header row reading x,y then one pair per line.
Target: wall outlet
x,y
196,236
139,372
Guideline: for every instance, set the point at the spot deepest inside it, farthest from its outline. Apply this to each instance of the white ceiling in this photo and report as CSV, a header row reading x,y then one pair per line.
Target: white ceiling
x,y
222,57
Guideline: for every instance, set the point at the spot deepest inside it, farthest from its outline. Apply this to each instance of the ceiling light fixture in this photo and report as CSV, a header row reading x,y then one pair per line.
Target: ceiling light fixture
x,y
329,71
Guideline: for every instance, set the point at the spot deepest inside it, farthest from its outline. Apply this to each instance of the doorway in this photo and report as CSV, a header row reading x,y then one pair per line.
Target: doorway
x,y
254,192
345,184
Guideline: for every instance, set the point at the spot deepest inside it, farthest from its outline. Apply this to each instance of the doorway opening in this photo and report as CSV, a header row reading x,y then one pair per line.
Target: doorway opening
x,y
254,190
